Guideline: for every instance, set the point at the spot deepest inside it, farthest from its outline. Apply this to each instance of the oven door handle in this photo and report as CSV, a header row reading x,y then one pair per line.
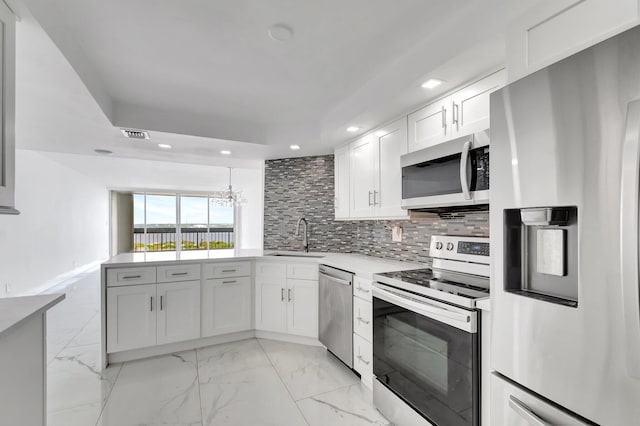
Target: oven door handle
x,y
466,321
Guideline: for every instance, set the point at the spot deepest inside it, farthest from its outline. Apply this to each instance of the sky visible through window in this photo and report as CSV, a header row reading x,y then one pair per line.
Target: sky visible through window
x,y
161,210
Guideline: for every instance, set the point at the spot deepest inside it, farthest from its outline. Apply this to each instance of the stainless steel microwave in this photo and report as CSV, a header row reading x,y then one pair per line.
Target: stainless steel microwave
x,y
449,174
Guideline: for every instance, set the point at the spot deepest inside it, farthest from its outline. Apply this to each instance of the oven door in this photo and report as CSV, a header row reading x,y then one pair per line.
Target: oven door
x,y
453,173
426,353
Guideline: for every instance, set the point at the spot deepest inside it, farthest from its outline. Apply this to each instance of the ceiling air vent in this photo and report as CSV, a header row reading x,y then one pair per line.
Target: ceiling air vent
x,y
135,134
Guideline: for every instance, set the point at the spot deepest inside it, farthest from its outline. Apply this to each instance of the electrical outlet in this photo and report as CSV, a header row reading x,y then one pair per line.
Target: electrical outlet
x,y
396,233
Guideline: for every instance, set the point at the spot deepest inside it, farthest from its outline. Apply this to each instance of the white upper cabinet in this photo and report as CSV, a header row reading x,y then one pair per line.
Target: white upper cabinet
x,y
362,176
7,109
470,106
342,182
376,175
464,112
430,125
553,30
391,143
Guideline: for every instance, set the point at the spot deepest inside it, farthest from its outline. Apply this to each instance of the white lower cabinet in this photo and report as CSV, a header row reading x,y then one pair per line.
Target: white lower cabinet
x,y
286,305
226,306
302,307
363,359
178,316
363,330
139,316
131,317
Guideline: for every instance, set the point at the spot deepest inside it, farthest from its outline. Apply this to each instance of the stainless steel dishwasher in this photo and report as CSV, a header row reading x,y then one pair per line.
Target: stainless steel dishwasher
x,y
336,312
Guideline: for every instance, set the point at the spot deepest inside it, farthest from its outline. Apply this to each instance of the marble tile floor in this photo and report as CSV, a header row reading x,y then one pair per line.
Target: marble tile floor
x,y
251,382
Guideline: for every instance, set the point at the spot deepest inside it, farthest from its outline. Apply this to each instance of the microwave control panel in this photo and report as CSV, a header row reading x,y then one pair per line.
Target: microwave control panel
x,y
480,162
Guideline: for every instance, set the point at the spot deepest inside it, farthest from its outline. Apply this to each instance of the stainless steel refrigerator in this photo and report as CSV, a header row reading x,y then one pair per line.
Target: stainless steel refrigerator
x,y
565,160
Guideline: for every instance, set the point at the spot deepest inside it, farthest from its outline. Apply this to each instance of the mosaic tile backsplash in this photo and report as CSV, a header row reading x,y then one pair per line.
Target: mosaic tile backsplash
x,y
304,186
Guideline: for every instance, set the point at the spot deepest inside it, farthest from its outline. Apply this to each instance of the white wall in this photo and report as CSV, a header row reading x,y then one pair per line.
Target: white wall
x,y
64,204
63,224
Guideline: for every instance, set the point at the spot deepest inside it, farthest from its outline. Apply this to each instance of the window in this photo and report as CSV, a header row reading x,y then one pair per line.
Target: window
x,y
178,222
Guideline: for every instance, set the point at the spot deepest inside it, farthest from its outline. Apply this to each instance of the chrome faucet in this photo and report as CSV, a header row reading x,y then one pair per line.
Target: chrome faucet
x,y
305,242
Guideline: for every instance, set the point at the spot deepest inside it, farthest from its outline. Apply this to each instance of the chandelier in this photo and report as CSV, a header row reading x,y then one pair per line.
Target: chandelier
x,y
227,197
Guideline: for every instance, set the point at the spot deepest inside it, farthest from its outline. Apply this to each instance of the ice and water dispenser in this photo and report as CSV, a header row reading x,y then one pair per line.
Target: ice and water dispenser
x,y
541,253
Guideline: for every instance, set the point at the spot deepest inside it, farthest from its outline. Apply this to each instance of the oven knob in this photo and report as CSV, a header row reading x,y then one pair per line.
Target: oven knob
x,y
438,245
449,246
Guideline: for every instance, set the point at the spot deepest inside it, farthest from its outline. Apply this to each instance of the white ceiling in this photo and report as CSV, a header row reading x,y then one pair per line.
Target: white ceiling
x,y
203,75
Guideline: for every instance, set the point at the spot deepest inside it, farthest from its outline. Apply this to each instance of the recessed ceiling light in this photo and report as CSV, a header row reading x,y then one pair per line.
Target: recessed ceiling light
x,y
102,151
280,32
294,147
432,83
353,129
164,146
225,152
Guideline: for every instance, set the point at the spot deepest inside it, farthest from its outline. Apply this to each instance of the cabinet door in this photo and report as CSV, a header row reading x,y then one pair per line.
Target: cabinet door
x,y
428,126
178,311
390,145
7,109
226,306
271,305
131,317
302,307
470,106
341,177
362,177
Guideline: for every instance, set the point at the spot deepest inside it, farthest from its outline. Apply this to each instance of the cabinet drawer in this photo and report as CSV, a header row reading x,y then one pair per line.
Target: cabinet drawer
x,y
362,318
227,269
131,276
271,270
189,272
362,288
302,271
362,357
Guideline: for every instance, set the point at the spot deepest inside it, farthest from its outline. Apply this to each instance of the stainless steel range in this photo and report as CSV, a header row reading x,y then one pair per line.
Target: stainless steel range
x,y
425,336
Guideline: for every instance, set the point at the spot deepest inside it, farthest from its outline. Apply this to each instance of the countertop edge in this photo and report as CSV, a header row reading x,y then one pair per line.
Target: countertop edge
x,y
484,304
48,301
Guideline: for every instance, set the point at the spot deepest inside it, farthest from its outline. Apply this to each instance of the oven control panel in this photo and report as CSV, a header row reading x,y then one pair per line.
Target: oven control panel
x,y
466,249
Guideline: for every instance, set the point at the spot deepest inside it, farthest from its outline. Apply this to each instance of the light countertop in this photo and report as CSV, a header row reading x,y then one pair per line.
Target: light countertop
x,y
14,310
364,266
484,304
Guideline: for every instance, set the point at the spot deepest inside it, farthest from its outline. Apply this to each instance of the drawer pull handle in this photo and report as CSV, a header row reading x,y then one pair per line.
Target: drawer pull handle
x,y
229,282
131,277
362,320
176,274
362,360
229,270
362,289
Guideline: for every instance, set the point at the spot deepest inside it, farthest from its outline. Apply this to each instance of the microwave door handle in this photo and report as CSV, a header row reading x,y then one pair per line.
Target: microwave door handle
x,y
629,237
464,179
525,413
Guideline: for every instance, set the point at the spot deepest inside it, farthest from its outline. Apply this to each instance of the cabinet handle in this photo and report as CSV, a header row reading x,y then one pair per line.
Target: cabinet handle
x,y
455,114
161,300
289,294
176,274
444,119
362,359
370,203
228,270
282,294
229,282
151,304
131,277
362,320
375,198
362,289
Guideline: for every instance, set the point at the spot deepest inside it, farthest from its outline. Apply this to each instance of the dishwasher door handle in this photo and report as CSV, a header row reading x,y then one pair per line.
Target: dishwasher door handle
x,y
337,280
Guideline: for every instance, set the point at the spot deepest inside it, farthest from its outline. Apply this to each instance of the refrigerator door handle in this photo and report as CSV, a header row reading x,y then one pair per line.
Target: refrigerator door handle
x,y
629,237
525,413
464,181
